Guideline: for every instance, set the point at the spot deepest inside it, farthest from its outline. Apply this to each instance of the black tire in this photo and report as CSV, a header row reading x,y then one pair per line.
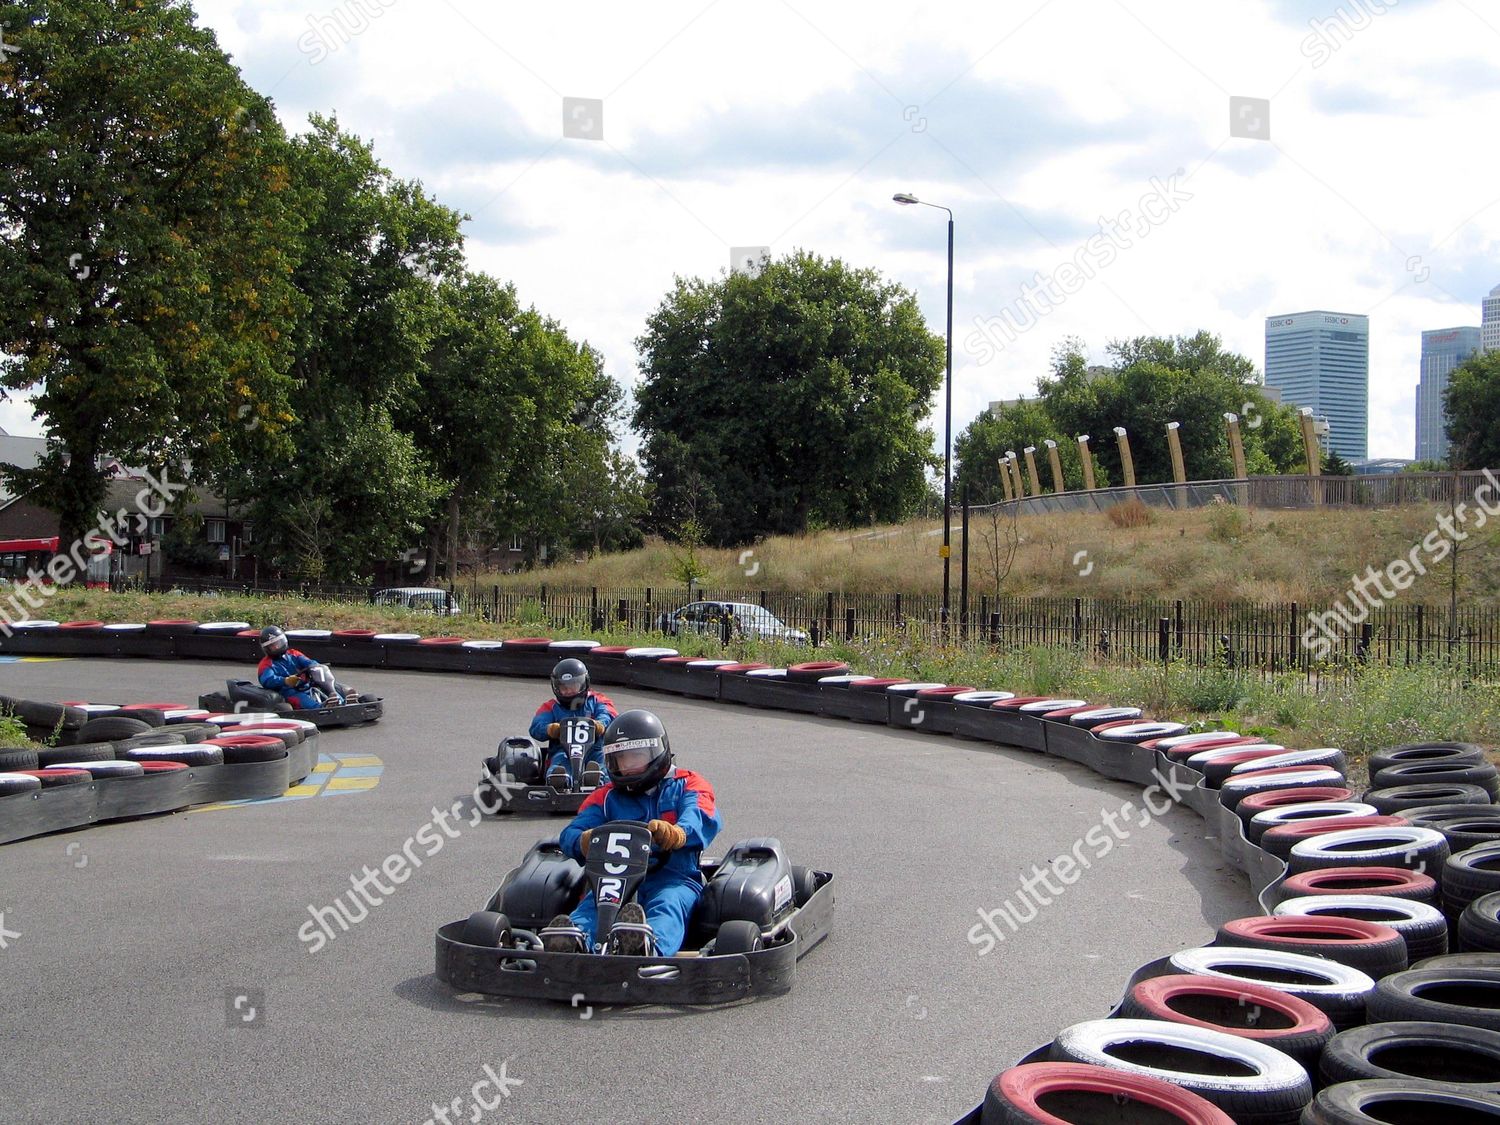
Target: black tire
x,y
153,738
1425,752
1416,849
1469,875
1253,1083
737,936
65,777
18,783
488,928
1466,1057
243,755
50,716
1382,1101
1466,996
1461,961
804,884
110,728
148,715
1481,774
18,760
90,752
1479,925
1398,798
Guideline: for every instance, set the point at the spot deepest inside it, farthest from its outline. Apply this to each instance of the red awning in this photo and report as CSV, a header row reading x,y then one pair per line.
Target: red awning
x,y
29,544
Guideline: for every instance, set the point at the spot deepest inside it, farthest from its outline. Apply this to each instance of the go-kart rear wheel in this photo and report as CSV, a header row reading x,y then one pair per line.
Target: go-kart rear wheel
x,y
488,928
737,936
804,884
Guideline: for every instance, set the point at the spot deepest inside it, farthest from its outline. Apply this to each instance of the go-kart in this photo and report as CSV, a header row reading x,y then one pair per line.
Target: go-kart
x,y
514,779
244,695
757,917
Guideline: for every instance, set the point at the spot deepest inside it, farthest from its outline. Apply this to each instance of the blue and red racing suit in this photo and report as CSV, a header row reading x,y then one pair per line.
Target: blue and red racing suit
x,y
668,894
595,705
272,675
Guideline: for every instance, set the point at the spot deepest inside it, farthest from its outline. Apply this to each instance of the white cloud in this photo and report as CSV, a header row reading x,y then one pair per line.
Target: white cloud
x,y
789,124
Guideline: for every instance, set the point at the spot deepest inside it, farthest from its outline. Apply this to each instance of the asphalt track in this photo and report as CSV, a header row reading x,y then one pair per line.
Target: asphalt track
x,y
119,990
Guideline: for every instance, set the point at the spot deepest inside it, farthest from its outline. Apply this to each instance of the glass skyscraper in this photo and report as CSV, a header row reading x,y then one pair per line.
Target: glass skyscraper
x,y
1489,321
1321,360
1442,350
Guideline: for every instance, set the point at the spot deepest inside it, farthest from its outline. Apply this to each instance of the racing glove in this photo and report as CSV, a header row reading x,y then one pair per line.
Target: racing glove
x,y
291,681
598,726
667,836
553,730
583,840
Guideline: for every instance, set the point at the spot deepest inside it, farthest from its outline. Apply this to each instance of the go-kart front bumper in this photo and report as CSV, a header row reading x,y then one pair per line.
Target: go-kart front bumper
x,y
595,979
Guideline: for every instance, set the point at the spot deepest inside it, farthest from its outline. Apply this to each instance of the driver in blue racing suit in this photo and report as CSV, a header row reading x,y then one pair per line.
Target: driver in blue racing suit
x,y
284,670
572,701
677,805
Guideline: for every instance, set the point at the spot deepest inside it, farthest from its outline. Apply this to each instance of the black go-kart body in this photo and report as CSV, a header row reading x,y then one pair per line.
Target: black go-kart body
x,y
757,917
244,695
514,780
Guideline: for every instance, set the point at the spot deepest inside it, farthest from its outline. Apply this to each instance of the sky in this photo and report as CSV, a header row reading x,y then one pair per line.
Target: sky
x,y
1086,148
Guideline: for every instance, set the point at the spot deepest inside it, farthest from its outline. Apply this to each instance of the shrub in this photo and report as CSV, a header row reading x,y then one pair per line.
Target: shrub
x,y
1132,513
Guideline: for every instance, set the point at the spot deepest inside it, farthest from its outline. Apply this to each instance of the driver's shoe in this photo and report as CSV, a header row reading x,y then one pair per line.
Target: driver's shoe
x,y
592,775
557,777
633,937
561,936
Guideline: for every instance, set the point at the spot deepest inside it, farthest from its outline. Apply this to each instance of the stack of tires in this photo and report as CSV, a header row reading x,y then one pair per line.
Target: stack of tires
x,y
1344,1006
103,743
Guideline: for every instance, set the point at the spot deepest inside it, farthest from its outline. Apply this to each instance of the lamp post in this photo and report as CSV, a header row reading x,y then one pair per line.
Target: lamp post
x,y
907,199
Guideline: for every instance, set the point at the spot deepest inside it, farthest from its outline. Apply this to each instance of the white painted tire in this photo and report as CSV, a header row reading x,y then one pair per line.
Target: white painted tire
x,y
1042,706
650,652
481,645
1140,732
223,626
398,638
1327,756
1340,991
105,769
1176,740
834,680
768,673
974,698
1276,1081
1424,927
126,627
911,689
1388,846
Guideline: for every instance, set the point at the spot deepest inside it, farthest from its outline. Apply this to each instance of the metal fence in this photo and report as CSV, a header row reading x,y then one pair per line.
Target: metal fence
x,y
1268,637
1376,490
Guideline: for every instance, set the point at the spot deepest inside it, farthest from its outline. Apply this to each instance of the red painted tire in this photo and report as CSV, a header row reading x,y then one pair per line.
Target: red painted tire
x,y
83,626
814,670
154,707
879,683
607,651
1183,751
1278,841
1220,762
242,748
55,778
944,694
162,767
1370,947
1017,703
248,633
539,644
1395,881
1016,1095
354,634
1276,798
1241,785
1243,1008
442,640
739,669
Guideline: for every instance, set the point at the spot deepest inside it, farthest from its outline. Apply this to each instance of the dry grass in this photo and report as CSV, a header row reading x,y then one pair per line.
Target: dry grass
x,y
1213,554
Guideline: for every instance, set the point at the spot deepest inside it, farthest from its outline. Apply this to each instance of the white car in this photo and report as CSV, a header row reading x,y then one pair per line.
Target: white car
x,y
748,619
421,598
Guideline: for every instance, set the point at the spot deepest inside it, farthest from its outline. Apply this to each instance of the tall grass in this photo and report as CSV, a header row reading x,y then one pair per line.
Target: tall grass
x,y
1220,553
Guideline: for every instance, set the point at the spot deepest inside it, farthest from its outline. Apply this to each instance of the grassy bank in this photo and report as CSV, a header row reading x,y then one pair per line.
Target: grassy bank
x,y
1381,707
1216,554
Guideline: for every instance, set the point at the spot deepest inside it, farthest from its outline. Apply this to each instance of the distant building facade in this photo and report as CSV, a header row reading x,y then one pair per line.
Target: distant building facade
x,y
1321,360
1443,349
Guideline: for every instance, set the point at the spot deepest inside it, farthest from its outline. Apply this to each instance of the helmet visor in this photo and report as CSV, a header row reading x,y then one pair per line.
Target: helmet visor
x,y
632,759
570,688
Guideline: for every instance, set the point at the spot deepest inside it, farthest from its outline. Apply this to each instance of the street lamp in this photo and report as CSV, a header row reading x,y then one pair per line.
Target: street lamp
x,y
906,199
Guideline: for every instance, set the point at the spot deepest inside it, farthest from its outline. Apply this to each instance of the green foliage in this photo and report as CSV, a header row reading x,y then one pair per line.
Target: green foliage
x,y
1010,429
185,543
13,732
799,394
1227,523
149,231
687,567
1336,466
1472,406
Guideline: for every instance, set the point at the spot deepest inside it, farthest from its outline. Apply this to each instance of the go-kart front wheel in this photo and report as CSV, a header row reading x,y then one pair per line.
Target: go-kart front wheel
x,y
737,936
488,928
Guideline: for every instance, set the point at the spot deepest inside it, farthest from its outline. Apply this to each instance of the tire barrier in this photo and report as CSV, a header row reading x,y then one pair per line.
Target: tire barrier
x,y
145,770
1314,994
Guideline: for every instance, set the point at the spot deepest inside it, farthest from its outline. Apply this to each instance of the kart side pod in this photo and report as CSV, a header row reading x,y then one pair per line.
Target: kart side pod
x,y
753,883
547,883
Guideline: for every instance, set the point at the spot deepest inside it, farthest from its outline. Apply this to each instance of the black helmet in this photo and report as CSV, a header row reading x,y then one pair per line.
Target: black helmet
x,y
637,753
273,641
570,682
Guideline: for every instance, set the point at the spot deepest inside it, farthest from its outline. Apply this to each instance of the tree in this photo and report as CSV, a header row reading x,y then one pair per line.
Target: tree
x,y
148,229
1154,380
373,254
1011,429
788,399
1472,406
